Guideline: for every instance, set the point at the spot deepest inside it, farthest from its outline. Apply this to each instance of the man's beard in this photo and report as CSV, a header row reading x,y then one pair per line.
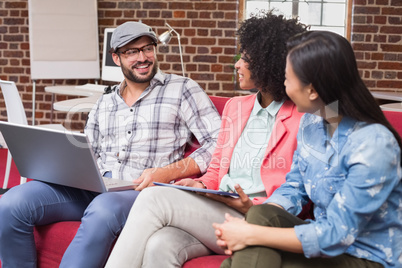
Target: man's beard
x,y
130,75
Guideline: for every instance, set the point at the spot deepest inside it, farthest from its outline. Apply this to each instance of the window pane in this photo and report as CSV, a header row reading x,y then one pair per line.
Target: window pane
x,y
310,13
254,6
335,1
285,8
334,14
319,14
338,30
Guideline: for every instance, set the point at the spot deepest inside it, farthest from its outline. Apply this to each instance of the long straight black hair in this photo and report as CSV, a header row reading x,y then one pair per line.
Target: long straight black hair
x,y
327,61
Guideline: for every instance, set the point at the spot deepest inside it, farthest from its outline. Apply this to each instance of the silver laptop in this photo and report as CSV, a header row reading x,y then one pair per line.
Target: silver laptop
x,y
60,157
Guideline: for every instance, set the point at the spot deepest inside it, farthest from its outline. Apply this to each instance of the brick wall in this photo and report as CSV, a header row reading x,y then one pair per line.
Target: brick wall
x,y
377,41
207,30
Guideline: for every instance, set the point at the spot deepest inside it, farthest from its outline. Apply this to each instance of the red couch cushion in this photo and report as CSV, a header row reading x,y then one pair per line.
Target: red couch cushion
x,y
212,261
52,241
395,118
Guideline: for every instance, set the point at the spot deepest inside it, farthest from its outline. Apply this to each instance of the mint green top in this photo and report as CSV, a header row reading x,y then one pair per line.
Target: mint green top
x,y
248,154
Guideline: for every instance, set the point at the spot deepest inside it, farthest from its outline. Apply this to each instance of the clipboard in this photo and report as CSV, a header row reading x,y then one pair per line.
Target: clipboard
x,y
195,189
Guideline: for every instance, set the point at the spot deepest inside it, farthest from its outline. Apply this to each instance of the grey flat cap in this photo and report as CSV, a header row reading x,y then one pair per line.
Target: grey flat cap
x,y
129,31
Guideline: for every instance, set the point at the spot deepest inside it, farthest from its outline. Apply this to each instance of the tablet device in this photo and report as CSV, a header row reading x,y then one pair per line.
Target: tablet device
x,y
195,189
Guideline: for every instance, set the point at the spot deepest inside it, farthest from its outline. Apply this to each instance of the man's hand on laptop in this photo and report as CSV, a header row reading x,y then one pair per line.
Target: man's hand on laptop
x,y
151,175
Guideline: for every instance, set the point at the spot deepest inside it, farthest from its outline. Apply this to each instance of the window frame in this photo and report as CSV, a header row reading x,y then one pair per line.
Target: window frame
x,y
348,24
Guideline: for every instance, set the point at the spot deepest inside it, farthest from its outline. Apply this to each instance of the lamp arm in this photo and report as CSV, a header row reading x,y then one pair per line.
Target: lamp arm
x,y
172,30
181,53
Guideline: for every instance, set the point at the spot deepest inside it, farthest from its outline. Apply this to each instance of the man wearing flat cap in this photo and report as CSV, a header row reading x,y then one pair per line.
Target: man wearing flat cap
x,y
138,133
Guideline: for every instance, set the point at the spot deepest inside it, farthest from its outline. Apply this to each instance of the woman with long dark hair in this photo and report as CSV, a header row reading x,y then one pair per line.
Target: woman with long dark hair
x,y
348,162
332,70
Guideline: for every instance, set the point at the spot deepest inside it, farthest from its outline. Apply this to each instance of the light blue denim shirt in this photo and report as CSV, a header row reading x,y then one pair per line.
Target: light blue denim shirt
x,y
354,181
249,152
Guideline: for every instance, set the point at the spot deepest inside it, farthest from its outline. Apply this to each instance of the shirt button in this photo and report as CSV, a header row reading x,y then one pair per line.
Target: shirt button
x,y
131,110
129,132
326,168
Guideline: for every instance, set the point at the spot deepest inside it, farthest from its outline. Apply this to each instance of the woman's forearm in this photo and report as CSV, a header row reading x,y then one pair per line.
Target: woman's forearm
x,y
278,238
235,234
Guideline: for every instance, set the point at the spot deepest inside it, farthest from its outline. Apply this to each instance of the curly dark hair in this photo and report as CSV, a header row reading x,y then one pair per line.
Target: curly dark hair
x,y
263,40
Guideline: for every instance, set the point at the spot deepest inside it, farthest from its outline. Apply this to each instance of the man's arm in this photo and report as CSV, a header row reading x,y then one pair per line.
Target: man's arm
x,y
202,120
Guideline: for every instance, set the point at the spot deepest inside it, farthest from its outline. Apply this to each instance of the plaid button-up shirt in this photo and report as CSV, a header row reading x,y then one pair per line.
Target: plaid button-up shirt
x,y
154,131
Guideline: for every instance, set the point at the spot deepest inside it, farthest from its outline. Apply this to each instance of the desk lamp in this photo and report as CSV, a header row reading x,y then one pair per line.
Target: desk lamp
x,y
165,38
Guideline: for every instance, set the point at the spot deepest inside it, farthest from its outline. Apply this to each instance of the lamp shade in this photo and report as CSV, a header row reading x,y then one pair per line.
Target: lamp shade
x,y
165,37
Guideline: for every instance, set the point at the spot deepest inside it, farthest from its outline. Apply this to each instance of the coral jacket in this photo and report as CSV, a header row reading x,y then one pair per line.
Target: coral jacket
x,y
278,155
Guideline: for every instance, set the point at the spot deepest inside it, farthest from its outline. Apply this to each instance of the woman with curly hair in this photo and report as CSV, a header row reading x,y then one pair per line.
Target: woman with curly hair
x,y
254,152
347,162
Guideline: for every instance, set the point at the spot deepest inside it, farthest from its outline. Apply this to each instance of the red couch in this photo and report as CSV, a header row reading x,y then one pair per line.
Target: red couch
x,y
53,239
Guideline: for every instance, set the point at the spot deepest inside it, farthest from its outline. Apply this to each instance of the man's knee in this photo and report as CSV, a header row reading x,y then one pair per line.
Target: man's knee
x,y
13,205
6,212
109,210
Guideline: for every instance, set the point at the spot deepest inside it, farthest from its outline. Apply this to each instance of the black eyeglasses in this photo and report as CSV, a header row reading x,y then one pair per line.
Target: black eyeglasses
x,y
133,53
